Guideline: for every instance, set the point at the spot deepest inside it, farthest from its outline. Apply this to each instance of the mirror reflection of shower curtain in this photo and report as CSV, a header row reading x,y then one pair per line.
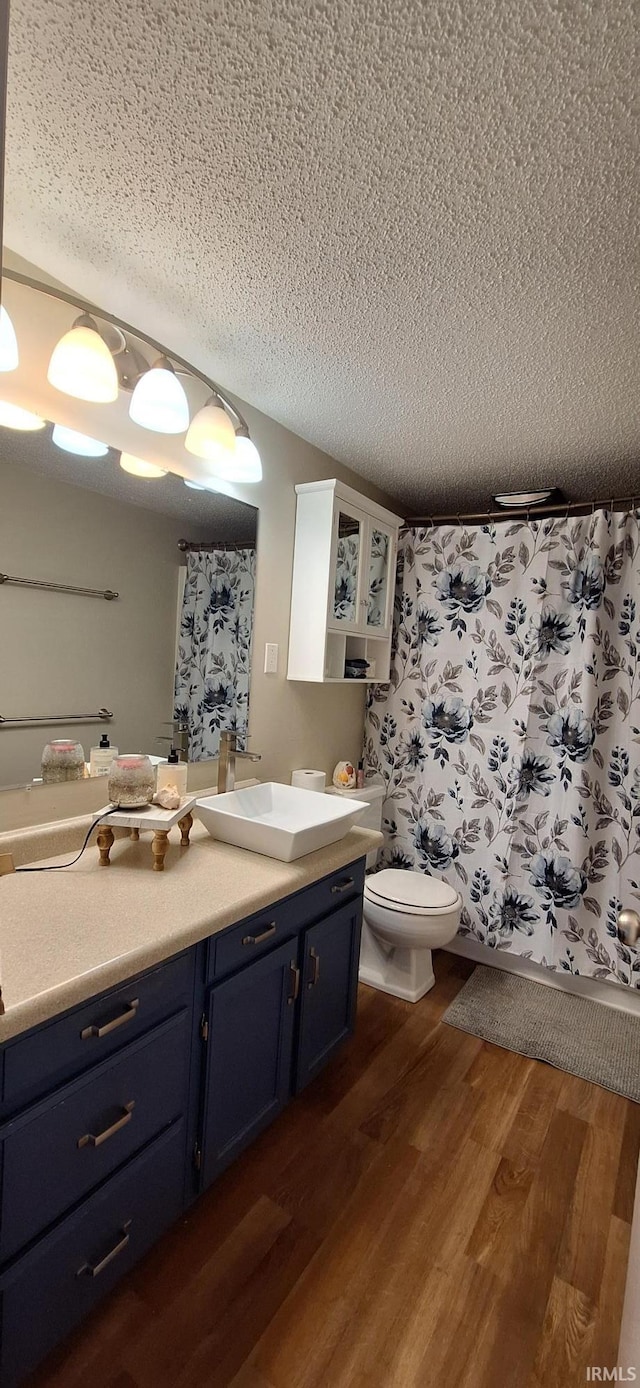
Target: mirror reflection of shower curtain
x,y
508,738
214,647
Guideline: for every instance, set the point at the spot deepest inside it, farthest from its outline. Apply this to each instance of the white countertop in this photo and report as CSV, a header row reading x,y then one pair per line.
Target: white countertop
x,y
65,936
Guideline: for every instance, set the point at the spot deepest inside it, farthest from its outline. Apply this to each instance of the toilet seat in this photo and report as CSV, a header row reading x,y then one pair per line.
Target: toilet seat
x,y
411,893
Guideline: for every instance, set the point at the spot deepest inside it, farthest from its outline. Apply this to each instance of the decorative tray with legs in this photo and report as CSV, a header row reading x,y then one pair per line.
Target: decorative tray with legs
x,y
150,817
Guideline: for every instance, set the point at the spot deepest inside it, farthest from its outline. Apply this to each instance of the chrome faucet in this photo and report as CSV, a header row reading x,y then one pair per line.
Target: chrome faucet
x,y
227,761
179,737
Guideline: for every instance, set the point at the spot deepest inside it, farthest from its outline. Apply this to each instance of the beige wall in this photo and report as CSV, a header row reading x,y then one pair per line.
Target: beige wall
x,y
61,653
291,724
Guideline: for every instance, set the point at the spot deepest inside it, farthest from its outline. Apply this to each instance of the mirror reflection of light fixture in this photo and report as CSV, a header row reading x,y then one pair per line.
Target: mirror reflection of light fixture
x,y
139,467
73,442
14,417
159,401
82,366
211,431
8,343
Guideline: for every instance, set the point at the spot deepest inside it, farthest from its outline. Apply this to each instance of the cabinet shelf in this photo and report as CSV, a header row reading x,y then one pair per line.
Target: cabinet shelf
x,y
343,585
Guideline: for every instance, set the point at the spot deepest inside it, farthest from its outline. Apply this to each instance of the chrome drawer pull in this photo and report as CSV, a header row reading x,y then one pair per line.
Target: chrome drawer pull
x,y
126,1016
94,1269
316,968
293,968
97,1139
343,886
257,939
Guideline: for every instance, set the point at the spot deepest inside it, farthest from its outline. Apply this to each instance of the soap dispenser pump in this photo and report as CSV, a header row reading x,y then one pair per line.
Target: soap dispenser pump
x,y
102,757
173,772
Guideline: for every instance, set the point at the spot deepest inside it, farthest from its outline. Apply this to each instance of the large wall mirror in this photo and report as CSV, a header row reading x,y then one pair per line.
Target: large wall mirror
x,y
165,659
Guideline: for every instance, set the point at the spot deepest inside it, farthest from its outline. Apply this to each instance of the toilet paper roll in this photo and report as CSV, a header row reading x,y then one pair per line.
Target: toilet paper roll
x,y
308,780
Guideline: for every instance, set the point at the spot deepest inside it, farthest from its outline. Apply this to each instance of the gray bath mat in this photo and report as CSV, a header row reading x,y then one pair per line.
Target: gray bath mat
x,y
586,1038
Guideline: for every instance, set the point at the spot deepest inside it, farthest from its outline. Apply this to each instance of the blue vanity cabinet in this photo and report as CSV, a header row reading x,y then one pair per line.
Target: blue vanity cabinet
x,y
276,1022
328,990
60,1279
248,1034
115,1114
94,1169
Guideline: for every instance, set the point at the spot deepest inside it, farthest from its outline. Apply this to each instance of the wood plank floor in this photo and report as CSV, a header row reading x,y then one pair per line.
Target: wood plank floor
x,y
433,1211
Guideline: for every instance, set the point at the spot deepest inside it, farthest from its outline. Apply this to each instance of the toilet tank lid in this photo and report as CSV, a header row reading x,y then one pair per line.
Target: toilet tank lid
x,y
405,888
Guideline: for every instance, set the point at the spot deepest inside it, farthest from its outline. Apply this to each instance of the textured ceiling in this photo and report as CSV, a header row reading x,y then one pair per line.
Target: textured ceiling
x,y
406,230
206,515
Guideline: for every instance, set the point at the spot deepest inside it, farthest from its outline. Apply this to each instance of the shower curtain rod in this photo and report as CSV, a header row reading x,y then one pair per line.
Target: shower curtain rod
x,y
192,546
562,508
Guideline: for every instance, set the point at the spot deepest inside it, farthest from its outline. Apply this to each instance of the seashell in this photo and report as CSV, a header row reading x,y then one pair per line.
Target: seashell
x,y
168,798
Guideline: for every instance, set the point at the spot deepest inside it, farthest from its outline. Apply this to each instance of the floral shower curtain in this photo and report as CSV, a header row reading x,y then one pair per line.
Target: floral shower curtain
x,y
508,738
214,647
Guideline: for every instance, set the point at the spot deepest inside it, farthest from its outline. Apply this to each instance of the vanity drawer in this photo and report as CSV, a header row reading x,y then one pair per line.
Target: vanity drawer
x,y
253,937
331,892
88,1035
242,943
58,1282
57,1152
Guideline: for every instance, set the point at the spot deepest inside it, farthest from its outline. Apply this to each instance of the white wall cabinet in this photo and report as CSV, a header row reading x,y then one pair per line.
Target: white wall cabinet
x,y
343,584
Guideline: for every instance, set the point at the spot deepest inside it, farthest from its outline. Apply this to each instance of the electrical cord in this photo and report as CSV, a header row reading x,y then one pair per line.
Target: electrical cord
x,y
57,867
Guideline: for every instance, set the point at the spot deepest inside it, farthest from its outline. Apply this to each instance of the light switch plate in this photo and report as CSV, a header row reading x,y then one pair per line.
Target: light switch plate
x,y
271,658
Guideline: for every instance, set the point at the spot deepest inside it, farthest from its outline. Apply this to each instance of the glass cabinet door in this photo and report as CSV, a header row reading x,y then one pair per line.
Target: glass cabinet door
x,y
345,608
379,578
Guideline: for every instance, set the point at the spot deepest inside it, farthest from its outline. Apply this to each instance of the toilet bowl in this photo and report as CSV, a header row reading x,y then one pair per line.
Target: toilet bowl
x,y
406,915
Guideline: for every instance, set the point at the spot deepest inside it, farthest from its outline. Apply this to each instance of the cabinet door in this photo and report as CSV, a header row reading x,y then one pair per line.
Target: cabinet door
x,y
379,578
249,1049
328,991
346,595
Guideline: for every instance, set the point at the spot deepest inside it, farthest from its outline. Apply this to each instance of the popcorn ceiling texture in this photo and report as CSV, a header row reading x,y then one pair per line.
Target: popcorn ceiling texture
x,y
407,231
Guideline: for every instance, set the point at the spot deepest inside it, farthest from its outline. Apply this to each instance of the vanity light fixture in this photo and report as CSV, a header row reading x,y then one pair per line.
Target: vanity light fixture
x,y
14,417
139,467
242,466
8,343
159,401
248,461
211,432
101,357
73,442
82,366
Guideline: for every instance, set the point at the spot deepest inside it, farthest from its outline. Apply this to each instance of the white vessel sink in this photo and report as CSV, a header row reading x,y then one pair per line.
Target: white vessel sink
x,y
280,821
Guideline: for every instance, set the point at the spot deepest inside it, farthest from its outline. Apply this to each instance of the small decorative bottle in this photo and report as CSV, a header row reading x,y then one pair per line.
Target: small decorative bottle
x,y
102,757
173,772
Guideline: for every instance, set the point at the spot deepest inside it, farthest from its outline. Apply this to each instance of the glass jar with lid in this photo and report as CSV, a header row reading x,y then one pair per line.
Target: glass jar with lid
x,y
62,760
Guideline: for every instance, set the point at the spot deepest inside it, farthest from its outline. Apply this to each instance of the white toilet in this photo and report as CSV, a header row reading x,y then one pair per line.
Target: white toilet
x,y
406,915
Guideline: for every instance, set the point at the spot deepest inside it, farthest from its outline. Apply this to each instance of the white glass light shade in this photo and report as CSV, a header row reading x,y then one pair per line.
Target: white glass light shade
x,y
210,431
14,417
159,401
243,465
81,365
195,486
72,442
139,467
8,343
